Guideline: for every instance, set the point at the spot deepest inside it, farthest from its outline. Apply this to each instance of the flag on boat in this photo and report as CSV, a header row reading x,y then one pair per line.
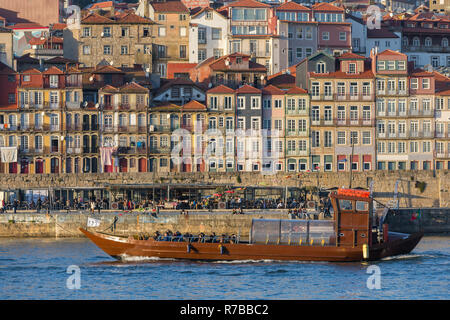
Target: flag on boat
x,y
93,222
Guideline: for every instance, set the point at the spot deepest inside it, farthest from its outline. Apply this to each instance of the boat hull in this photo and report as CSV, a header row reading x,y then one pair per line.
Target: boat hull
x,y
120,248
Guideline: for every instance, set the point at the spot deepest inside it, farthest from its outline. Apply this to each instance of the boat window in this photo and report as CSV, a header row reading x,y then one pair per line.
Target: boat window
x,y
345,204
362,206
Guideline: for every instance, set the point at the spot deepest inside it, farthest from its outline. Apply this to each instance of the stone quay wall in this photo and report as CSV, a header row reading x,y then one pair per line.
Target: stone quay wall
x,y
415,188
67,225
56,225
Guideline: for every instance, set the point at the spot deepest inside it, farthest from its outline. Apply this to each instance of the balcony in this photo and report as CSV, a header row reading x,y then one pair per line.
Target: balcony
x,y
355,122
73,105
73,127
443,155
297,152
430,49
421,113
160,150
132,150
344,97
296,133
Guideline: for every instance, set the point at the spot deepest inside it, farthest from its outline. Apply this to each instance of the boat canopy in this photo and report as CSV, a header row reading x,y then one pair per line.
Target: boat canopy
x,y
295,231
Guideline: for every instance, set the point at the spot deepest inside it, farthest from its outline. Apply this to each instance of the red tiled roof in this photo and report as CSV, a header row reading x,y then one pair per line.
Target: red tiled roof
x,y
27,25
132,18
248,89
59,26
296,90
324,6
53,70
272,90
391,52
381,33
96,18
292,6
248,4
421,73
219,64
109,88
133,87
107,69
283,81
30,71
220,89
169,6
351,55
193,105
178,67
99,5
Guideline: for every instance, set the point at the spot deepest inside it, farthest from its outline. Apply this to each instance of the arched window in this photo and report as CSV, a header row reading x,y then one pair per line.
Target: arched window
x,y
405,41
122,120
321,67
416,41
444,42
428,42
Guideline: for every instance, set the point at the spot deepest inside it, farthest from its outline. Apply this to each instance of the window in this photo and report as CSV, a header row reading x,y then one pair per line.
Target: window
x,y
86,50
201,54
123,50
183,31
299,52
106,32
352,68
182,51
342,36
435,61
428,42
216,33
366,139
426,83
325,36
107,49
162,31
146,32
241,102
414,83
161,17
341,137
182,17
86,32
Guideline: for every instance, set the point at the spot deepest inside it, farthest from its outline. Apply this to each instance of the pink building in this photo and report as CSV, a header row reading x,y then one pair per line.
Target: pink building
x,y
334,34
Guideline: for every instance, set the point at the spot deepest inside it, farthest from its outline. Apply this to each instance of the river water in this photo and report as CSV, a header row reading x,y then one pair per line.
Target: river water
x,y
76,269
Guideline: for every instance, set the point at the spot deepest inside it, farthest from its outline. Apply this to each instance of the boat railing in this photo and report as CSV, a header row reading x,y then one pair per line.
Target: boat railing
x,y
198,239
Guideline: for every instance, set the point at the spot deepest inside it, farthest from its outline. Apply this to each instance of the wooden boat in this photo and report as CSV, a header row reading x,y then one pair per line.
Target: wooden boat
x,y
350,236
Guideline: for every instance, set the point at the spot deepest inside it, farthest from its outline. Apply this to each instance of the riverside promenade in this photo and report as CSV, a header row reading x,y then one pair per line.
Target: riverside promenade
x,y
63,224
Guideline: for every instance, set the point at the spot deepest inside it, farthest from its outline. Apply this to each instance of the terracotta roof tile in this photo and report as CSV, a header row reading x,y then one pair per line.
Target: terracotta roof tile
x,y
220,89
53,70
296,90
292,6
96,18
391,52
133,87
324,6
193,105
248,89
169,6
248,4
272,90
351,55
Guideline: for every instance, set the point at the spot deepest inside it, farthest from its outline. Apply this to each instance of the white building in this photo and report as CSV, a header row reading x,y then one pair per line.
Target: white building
x,y
208,35
383,39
